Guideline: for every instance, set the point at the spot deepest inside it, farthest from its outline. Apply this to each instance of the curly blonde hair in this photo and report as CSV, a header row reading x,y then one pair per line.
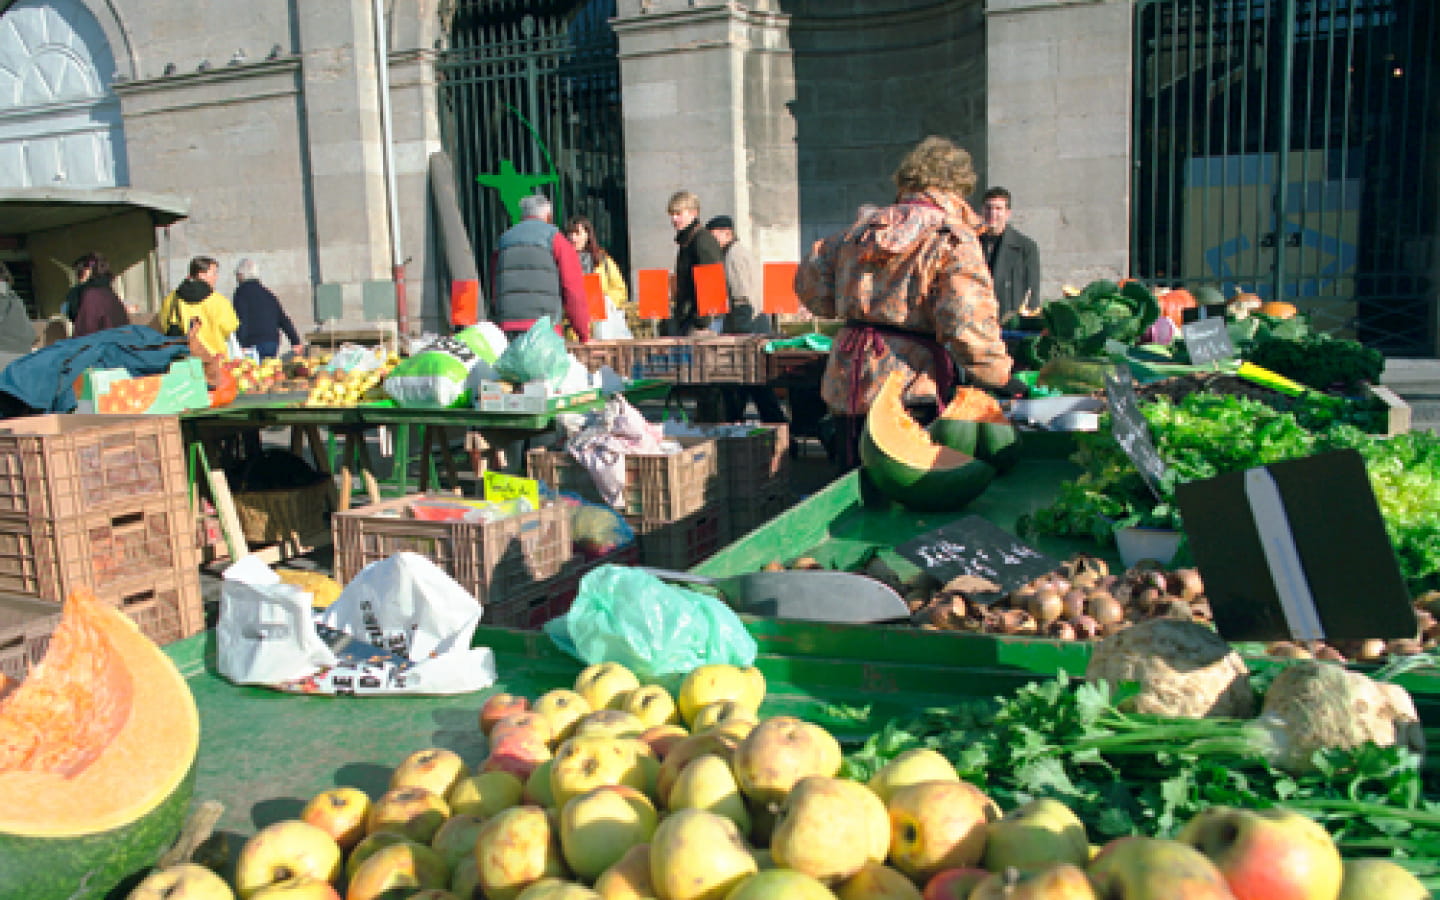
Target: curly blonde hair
x,y
936,162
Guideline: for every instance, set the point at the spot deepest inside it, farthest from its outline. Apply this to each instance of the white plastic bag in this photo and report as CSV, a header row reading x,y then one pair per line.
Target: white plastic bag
x,y
266,633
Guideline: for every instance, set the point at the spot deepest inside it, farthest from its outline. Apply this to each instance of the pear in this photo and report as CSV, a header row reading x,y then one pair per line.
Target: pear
x,y
707,783
698,855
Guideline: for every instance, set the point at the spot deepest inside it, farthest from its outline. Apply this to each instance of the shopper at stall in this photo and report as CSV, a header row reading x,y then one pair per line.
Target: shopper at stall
x,y
619,311
742,285
1012,257
71,304
261,316
99,307
696,247
196,298
535,272
911,283
17,334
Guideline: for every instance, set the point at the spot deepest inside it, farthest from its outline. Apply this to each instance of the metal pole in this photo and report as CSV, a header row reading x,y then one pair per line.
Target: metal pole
x,y
397,256
1282,139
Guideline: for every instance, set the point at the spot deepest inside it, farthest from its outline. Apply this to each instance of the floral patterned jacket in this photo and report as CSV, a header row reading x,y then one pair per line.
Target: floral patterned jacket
x,y
916,266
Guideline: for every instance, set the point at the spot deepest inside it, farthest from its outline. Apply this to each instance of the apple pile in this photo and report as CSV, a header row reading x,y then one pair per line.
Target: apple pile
x,y
614,789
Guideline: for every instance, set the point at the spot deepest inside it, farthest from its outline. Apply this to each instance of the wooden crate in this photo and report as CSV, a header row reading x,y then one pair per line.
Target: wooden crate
x,y
658,486
59,466
491,560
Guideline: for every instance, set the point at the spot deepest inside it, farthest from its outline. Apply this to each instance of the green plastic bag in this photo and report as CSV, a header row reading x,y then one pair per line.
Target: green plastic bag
x,y
537,355
653,628
820,342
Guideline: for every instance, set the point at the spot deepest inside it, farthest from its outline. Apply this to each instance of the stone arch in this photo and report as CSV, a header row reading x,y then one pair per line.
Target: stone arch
x,y
56,73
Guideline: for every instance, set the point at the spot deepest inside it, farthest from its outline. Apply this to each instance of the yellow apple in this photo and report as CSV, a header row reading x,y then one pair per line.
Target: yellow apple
x,y
683,752
283,850
563,709
369,846
1057,881
436,770
653,705
339,812
186,881
937,825
1036,835
1139,868
598,827
911,767
516,848
712,683
403,865
602,682
697,855
583,763
556,889
707,783
610,723
297,887
779,752
875,881
485,794
780,883
661,738
629,878
412,811
712,715
1368,879
829,828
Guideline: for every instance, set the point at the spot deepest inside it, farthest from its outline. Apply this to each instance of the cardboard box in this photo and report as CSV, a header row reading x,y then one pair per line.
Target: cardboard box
x,y
116,391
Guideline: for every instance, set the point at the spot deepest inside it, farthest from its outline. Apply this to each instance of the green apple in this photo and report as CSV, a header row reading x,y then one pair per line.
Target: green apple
x,y
1368,879
556,889
707,783
369,846
877,882
780,883
911,767
697,855
465,879
1146,868
602,683
485,794
537,786
415,812
283,850
186,881
600,826
1036,835
937,825
653,705
456,838
686,750
1278,854
610,723
403,865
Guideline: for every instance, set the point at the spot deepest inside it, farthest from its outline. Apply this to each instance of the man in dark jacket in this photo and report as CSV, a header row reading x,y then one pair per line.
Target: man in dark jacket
x,y
742,283
697,247
536,272
262,318
1013,258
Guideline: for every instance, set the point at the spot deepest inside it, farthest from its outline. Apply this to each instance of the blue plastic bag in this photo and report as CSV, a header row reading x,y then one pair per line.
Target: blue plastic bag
x,y
653,628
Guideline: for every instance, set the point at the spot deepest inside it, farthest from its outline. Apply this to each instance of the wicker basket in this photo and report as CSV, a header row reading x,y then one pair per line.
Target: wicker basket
x,y
268,517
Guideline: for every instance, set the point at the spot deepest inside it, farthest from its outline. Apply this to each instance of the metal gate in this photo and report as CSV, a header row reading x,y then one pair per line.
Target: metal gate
x,y
1292,147
530,100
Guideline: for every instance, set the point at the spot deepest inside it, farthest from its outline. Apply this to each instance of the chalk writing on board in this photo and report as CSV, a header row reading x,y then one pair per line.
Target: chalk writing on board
x,y
977,548
1208,340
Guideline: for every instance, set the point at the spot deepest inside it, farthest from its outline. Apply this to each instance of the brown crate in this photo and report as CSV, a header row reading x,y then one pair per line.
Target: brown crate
x,y
489,559
57,466
751,460
662,359
101,550
168,607
751,510
594,355
25,628
682,543
658,486
731,359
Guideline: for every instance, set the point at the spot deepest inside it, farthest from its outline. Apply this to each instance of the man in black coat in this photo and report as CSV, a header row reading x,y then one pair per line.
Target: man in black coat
x,y
1013,258
696,247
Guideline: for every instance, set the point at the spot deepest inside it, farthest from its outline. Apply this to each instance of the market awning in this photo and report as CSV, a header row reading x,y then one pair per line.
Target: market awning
x,y
28,210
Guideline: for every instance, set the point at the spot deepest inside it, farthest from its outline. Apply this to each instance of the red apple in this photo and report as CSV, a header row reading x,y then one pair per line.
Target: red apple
x,y
937,825
498,707
1061,881
284,850
517,753
529,722
1274,854
1145,868
953,884
339,812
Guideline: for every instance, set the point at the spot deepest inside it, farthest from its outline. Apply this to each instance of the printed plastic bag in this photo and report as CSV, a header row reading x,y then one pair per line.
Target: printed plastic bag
x,y
266,633
435,378
631,617
537,355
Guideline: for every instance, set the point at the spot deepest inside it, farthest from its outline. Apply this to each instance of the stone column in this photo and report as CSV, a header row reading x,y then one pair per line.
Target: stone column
x,y
345,154
1059,130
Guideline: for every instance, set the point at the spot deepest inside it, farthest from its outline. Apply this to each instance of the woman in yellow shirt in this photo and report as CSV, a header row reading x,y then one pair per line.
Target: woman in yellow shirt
x,y
593,258
196,298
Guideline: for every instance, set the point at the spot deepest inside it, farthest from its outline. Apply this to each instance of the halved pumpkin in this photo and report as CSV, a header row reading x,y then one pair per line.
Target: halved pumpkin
x,y
907,466
974,424
97,753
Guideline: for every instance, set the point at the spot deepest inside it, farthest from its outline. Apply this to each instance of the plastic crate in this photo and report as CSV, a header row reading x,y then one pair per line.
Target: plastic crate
x,y
58,466
597,354
168,607
662,359
750,461
681,543
533,607
763,503
658,486
732,359
489,559
100,550
25,628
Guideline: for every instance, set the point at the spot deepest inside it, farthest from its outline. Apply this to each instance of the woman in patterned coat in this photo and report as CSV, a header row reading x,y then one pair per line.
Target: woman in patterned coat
x,y
911,283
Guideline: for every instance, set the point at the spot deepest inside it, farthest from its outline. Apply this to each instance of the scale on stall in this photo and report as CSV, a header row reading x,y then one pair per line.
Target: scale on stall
x,y
1296,550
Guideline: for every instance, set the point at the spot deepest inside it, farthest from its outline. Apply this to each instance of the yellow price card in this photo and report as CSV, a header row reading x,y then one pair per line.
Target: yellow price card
x,y
500,487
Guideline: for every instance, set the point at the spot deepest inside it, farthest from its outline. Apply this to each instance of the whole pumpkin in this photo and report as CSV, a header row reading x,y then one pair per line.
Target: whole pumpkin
x,y
1174,302
1278,309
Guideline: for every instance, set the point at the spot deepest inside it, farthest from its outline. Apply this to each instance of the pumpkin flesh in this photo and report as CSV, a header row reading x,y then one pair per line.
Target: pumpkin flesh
x,y
908,466
79,737
973,423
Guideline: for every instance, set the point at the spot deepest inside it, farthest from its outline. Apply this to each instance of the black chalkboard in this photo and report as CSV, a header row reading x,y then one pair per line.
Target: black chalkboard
x,y
1131,430
1208,340
973,546
1345,559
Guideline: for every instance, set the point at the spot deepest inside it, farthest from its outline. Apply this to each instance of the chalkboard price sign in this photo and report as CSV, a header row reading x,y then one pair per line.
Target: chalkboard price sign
x,y
1208,340
1131,430
974,547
